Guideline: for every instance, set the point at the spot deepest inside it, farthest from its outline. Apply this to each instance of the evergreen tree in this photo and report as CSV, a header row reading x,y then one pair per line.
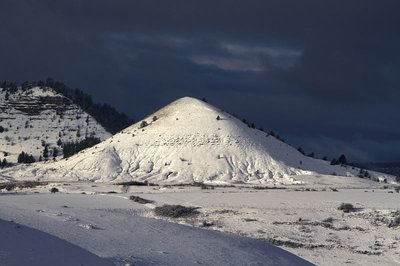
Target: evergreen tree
x,y
55,153
46,152
301,150
143,124
334,162
342,159
4,163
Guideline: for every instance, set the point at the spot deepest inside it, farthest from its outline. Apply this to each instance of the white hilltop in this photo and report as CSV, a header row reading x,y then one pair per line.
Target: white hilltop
x,y
184,142
33,118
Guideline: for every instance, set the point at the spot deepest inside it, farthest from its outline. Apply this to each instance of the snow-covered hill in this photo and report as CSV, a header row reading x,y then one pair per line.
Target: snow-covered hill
x,y
187,141
33,118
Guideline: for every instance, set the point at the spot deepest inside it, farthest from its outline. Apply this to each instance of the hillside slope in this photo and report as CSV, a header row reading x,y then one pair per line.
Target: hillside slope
x,y
187,141
33,118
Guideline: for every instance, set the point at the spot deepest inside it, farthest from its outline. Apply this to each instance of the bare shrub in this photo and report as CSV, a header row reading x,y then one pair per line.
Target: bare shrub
x,y
124,189
346,207
140,200
21,185
176,211
396,221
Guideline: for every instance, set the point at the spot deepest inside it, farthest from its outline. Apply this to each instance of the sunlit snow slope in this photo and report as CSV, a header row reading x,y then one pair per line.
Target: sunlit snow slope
x,y
31,119
186,141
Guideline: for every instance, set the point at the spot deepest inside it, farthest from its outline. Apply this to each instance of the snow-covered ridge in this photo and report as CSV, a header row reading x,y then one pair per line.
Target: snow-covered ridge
x,y
35,117
187,141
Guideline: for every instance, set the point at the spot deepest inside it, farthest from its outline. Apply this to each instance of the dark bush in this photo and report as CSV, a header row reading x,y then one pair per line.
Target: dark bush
x,y
143,124
54,190
140,200
176,211
346,207
328,220
136,183
395,222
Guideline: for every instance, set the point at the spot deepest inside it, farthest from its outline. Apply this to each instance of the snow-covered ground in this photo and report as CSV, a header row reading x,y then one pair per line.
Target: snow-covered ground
x,y
280,197
303,220
21,245
101,229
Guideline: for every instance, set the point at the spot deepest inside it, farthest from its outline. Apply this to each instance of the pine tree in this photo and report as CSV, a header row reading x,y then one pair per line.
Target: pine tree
x,y
342,159
55,153
46,152
4,163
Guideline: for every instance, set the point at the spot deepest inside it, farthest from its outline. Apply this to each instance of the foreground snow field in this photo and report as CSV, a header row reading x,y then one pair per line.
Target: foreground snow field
x,y
302,220
78,229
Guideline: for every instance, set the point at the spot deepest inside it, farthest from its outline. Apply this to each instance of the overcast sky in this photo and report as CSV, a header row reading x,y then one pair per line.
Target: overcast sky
x,y
323,74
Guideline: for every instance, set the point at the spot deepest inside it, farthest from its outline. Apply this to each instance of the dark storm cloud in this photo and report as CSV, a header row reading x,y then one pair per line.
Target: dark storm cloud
x,y
325,74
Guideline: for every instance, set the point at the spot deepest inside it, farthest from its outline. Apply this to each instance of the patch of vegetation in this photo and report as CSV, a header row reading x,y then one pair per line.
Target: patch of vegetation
x,y
206,224
250,220
72,148
202,185
140,200
396,221
9,186
25,158
5,163
292,244
364,174
346,207
176,211
143,124
136,183
54,190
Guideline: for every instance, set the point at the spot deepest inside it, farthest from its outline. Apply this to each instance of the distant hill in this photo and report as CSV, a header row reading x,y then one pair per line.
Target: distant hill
x,y
189,141
38,119
388,168
112,120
